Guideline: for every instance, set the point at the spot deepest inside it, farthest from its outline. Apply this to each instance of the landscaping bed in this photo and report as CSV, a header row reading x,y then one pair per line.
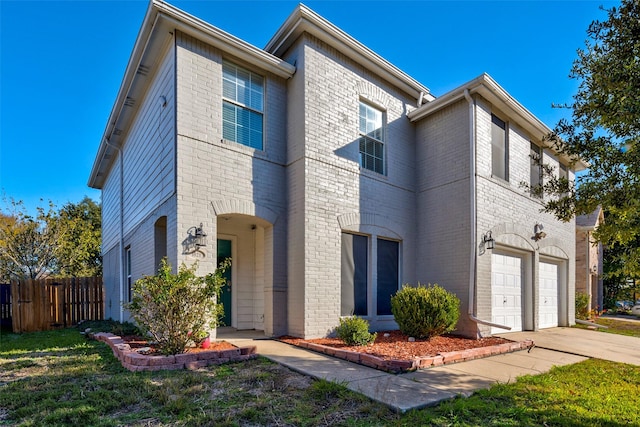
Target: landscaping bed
x,y
136,356
392,351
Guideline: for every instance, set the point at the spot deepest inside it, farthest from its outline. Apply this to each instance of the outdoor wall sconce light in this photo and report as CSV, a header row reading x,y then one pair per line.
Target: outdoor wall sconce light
x,y
198,236
538,233
488,240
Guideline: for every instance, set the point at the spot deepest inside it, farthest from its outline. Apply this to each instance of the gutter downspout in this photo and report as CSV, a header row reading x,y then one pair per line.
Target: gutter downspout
x,y
122,260
473,204
587,284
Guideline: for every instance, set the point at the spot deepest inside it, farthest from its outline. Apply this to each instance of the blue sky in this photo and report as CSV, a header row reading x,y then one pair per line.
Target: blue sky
x,y
62,62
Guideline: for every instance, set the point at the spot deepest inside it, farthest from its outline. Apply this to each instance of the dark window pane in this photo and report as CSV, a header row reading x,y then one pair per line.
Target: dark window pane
x,y
388,274
354,275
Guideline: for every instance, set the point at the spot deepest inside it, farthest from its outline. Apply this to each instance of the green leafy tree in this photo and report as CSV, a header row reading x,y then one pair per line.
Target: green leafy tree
x,y
50,243
604,131
78,254
27,243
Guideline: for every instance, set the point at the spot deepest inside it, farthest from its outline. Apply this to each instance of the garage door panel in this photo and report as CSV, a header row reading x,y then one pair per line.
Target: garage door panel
x,y
506,289
548,295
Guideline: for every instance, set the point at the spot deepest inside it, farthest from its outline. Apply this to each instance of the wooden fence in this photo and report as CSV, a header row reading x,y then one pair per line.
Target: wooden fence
x,y
38,305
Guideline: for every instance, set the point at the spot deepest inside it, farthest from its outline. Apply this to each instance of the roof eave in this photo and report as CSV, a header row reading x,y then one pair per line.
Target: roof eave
x,y
160,22
303,19
490,90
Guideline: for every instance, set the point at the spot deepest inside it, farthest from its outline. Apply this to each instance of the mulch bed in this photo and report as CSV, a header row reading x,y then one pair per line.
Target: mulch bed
x,y
397,345
136,343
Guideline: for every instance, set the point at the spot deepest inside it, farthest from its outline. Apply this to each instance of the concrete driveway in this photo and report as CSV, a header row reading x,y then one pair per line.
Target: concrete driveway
x,y
584,342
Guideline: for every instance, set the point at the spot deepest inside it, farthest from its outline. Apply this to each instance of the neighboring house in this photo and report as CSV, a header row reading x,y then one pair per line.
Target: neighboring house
x,y
589,259
330,177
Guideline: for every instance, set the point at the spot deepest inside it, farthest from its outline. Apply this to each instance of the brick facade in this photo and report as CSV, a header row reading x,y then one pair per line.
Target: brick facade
x,y
285,207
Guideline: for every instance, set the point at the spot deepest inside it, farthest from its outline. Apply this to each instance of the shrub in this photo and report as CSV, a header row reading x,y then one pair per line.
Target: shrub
x,y
425,312
177,308
355,331
582,306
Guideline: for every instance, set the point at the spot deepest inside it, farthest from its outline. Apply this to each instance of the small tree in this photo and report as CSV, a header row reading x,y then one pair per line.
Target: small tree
x,y
425,312
582,306
604,131
28,243
176,309
78,254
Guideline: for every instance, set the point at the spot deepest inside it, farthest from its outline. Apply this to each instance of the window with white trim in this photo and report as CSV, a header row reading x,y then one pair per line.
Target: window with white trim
x,y
372,138
499,148
242,106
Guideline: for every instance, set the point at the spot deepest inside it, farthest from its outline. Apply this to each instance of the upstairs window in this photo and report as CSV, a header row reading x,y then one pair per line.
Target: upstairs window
x,y
499,149
564,172
372,138
242,106
536,170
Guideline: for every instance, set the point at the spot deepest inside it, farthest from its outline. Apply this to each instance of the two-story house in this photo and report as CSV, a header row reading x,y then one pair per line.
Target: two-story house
x,y
330,177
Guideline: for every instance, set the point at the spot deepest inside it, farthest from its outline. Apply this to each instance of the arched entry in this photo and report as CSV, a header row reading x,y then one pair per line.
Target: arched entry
x,y
225,250
247,240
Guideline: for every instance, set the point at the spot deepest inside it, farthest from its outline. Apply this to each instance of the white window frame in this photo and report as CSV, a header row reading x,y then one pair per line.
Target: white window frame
x,y
372,137
238,104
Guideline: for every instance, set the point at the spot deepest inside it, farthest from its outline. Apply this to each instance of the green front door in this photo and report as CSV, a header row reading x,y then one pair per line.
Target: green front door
x,y
224,252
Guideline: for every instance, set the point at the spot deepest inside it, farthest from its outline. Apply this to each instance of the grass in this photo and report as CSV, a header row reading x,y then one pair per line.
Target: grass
x,y
620,327
59,378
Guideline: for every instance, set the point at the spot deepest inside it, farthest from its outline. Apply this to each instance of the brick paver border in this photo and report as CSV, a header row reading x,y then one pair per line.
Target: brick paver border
x,y
423,362
134,361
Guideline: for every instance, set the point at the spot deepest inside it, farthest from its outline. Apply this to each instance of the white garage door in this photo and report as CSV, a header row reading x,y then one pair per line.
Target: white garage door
x,y
506,291
548,308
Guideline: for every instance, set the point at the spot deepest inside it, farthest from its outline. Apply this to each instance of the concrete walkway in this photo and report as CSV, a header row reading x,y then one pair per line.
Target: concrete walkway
x,y
412,390
584,342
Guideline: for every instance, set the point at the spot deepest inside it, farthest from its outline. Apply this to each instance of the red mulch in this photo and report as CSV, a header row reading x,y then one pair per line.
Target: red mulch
x,y
397,345
136,342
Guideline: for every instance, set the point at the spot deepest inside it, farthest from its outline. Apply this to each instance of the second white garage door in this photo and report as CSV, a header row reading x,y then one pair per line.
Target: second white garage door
x,y
548,307
506,291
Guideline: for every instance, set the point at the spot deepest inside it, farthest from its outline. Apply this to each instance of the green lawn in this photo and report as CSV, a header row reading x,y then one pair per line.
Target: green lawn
x,y
615,326
59,378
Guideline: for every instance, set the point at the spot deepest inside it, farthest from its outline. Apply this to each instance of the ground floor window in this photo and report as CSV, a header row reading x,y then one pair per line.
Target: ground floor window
x,y
127,265
358,282
388,274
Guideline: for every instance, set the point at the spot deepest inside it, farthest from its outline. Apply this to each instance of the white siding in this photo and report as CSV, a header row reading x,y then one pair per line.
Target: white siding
x,y
111,209
149,154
